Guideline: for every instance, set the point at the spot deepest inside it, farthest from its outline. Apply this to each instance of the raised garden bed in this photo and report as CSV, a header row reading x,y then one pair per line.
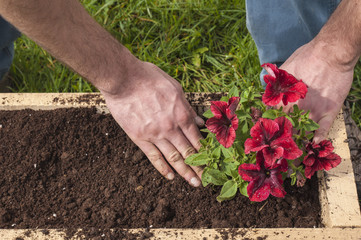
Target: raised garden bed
x,y
340,213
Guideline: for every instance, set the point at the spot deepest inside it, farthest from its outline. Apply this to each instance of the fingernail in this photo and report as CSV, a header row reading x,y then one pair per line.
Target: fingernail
x,y
199,121
195,182
170,176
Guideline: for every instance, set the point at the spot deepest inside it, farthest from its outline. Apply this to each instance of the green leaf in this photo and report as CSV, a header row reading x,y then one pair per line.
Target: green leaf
x,y
270,113
228,191
196,60
213,176
224,98
198,159
309,136
233,92
204,142
201,50
296,108
291,120
244,96
227,152
234,172
230,167
245,127
239,148
311,126
242,115
208,114
216,152
293,180
205,130
243,188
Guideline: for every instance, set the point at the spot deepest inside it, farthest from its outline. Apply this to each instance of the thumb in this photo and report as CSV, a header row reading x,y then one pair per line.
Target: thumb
x,y
325,125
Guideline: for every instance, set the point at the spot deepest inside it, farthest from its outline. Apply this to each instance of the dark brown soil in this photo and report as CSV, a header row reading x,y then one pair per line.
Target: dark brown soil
x,y
74,168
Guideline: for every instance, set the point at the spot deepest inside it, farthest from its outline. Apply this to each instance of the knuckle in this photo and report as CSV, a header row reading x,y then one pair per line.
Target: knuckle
x,y
189,151
184,119
158,162
198,170
175,157
198,144
168,126
154,157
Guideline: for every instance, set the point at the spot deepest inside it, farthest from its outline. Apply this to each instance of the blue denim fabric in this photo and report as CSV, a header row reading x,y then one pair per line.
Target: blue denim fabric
x,y
279,27
8,34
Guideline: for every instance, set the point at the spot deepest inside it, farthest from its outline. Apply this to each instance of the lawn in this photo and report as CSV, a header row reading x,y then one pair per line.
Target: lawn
x,y
204,44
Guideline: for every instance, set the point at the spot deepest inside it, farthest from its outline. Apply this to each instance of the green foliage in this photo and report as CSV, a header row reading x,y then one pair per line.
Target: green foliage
x,y
228,191
203,44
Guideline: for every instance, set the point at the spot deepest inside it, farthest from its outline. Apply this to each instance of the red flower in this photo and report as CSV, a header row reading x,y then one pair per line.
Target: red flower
x,y
225,122
274,139
320,156
263,181
281,86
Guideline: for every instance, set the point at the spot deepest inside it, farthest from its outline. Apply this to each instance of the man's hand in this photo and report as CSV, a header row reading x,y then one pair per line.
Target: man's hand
x,y
147,103
328,85
326,65
154,113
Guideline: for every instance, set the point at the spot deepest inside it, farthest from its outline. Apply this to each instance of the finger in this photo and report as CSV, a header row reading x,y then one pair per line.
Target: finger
x,y
176,160
198,120
156,158
192,133
186,149
325,125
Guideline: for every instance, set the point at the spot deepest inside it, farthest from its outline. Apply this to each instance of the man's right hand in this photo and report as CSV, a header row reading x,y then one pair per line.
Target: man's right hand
x,y
154,113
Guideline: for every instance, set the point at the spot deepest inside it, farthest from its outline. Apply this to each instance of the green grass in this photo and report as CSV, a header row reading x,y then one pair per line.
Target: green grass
x,y
204,44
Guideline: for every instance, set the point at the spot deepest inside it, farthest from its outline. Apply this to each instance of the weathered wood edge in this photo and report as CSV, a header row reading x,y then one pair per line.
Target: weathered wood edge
x,y
198,234
337,186
338,194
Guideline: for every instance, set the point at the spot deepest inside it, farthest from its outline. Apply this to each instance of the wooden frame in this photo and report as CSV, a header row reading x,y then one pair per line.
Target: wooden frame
x,y
338,197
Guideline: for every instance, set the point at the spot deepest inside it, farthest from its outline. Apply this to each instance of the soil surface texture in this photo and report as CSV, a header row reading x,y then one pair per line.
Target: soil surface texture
x,y
75,168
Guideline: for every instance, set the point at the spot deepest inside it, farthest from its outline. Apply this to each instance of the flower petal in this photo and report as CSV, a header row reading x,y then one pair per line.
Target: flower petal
x,y
271,155
226,136
291,150
331,161
233,104
285,127
268,128
325,148
215,125
253,145
258,190
272,69
282,85
276,182
309,160
249,172
218,108
271,96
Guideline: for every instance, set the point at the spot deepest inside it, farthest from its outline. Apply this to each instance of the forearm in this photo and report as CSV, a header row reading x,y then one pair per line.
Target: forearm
x,y
340,38
69,33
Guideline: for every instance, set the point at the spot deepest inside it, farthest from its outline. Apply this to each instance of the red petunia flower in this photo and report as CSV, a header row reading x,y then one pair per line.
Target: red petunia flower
x,y
262,180
274,139
281,86
320,156
225,122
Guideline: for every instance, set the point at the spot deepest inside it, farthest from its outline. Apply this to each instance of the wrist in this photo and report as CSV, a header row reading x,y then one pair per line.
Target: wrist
x,y
118,79
339,55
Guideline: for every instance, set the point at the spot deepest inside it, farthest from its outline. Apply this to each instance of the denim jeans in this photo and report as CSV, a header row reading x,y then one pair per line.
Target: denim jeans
x,y
8,34
279,27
